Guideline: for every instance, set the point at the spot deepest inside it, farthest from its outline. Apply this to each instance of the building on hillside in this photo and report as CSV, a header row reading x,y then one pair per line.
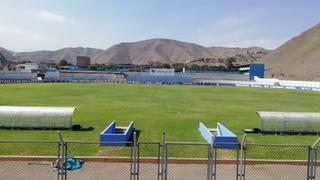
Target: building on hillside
x,y
27,67
83,61
161,71
123,67
252,70
3,67
70,67
3,63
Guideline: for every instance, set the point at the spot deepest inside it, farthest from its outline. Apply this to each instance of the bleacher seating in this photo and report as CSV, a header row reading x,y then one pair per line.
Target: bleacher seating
x,y
145,79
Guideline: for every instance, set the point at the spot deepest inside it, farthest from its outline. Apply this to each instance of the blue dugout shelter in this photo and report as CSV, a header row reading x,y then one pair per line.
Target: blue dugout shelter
x,y
220,137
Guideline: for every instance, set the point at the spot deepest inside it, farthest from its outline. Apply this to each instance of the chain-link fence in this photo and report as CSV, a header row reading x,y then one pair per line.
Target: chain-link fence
x,y
30,160
101,162
149,159
226,163
192,165
276,162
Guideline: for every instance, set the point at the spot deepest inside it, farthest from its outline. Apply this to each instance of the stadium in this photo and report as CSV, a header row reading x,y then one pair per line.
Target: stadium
x,y
166,110
159,90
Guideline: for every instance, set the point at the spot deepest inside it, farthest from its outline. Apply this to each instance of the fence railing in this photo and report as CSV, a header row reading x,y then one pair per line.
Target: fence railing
x,y
156,160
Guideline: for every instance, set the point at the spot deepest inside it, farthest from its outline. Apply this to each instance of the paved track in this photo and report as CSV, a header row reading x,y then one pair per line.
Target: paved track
x,y
17,170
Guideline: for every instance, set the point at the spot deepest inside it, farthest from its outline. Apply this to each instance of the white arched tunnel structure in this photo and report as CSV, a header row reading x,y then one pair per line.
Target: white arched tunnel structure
x,y
36,117
289,122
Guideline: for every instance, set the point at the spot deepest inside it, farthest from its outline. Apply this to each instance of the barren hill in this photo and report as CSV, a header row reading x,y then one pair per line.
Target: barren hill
x,y
8,55
297,59
165,51
4,56
153,50
68,54
3,61
172,51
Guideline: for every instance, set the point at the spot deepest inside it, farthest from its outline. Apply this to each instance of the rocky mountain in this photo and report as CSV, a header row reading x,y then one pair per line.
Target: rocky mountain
x,y
4,56
165,51
8,55
172,51
239,56
3,61
297,59
153,50
68,54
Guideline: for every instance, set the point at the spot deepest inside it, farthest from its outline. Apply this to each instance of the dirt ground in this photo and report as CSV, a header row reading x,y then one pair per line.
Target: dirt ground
x,y
16,170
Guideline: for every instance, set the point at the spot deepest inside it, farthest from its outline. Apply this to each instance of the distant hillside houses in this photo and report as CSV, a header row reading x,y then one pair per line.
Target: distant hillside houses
x,y
27,67
3,62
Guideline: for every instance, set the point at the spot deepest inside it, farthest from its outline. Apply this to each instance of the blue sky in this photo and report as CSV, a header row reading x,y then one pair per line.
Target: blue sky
x,y
27,25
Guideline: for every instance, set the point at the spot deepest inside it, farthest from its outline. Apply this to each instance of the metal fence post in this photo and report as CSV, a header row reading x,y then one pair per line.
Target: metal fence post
x,y
159,160
61,159
65,159
131,161
162,160
312,161
209,162
135,174
138,160
165,172
315,163
241,166
237,161
214,156
309,164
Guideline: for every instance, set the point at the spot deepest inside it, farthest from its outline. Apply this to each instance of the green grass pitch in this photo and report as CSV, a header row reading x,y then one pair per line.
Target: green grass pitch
x,y
173,109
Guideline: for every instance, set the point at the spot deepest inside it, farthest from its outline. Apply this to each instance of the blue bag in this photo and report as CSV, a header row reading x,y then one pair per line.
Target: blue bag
x,y
73,163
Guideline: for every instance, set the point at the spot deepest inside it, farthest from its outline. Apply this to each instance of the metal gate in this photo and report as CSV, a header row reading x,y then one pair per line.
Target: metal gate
x,y
193,165
149,162
226,164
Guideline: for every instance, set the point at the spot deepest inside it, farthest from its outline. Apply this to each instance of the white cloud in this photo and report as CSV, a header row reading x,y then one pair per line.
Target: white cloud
x,y
241,38
236,31
230,21
52,17
261,42
19,38
10,29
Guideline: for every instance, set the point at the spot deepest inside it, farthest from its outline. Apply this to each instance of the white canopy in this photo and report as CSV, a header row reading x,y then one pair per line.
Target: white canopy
x,y
30,116
290,121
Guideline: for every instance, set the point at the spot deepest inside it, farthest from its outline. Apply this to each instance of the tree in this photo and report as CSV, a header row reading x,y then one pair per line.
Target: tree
x,y
178,67
165,66
205,67
53,65
229,62
93,67
194,67
63,62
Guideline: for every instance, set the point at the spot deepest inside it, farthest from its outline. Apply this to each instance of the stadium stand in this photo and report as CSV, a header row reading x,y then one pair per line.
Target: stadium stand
x,y
145,79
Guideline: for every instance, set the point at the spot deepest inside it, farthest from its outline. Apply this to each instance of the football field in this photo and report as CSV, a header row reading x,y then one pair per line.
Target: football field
x,y
173,109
